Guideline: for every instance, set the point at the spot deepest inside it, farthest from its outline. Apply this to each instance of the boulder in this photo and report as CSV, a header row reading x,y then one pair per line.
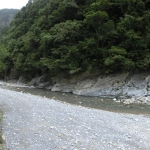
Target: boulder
x,y
101,86
21,80
40,80
133,91
37,81
136,85
33,81
147,79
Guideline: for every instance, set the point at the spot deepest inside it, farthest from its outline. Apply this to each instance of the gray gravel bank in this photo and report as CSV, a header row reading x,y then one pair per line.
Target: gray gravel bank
x,y
36,123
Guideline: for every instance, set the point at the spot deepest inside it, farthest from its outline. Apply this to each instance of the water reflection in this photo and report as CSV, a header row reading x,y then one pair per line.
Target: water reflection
x,y
92,102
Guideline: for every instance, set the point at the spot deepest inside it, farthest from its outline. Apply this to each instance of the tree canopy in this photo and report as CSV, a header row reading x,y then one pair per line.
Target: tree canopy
x,y
71,36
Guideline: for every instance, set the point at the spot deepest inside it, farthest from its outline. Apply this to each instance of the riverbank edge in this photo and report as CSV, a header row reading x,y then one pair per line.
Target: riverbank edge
x,y
123,87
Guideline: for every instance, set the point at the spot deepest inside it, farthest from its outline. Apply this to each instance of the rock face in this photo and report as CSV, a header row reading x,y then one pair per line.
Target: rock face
x,y
38,82
116,85
102,86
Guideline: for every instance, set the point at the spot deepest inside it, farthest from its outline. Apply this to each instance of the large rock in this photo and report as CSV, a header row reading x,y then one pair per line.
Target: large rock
x,y
136,85
37,81
33,82
148,79
22,79
102,86
68,84
93,86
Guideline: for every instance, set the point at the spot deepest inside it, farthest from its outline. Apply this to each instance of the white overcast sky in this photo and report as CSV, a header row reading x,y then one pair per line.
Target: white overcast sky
x,y
12,4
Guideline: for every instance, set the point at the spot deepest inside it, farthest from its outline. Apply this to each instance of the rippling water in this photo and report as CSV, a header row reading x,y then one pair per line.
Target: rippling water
x,y
92,102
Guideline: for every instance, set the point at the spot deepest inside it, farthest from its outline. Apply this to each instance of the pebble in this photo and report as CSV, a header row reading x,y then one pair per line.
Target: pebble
x,y
45,124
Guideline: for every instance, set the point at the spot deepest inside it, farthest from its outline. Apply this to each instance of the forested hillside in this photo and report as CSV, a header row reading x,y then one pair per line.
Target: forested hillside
x,y
6,16
71,36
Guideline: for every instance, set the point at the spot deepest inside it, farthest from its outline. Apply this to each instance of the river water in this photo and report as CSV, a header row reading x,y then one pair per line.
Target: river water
x,y
92,102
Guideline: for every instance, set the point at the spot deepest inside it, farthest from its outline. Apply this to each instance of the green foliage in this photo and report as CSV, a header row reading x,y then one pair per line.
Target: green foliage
x,y
3,55
72,36
65,31
117,60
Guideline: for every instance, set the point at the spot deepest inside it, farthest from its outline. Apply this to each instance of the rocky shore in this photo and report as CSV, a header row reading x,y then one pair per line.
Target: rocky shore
x,y
126,87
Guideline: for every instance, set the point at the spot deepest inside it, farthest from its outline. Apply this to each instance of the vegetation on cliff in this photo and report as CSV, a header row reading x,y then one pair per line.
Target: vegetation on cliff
x,y
70,36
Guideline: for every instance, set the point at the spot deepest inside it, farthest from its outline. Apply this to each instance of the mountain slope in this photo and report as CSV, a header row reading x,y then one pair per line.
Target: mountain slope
x,y
6,16
71,36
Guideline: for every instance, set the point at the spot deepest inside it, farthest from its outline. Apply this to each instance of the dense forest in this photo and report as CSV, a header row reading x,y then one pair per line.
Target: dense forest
x,y
6,16
71,36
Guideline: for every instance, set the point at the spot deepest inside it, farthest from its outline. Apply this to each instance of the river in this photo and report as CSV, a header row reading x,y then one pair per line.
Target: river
x,y
92,102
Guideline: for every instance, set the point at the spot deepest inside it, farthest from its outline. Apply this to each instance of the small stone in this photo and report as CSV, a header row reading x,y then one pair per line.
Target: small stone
x,y
118,101
127,102
3,137
52,127
136,119
77,134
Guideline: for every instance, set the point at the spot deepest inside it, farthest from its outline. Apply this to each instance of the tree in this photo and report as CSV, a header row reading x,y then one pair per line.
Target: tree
x,y
117,60
3,63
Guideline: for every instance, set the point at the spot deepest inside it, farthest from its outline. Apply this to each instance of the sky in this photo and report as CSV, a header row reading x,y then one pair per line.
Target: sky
x,y
16,4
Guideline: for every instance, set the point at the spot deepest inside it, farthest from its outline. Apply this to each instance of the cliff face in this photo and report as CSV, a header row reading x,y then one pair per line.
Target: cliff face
x,y
126,87
116,85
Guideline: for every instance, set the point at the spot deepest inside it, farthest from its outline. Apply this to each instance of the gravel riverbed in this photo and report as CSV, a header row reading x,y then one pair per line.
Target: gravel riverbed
x,y
36,123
